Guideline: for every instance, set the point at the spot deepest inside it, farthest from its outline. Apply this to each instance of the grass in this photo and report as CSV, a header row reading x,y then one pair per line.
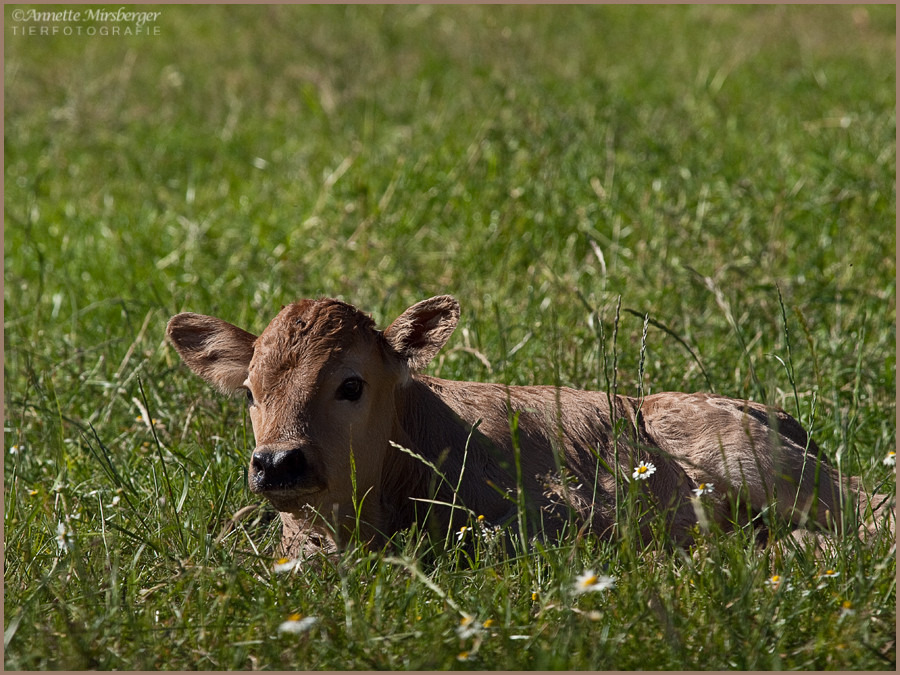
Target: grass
x,y
726,172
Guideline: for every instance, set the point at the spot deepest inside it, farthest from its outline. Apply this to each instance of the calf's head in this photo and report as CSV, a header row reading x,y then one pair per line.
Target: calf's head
x,y
321,383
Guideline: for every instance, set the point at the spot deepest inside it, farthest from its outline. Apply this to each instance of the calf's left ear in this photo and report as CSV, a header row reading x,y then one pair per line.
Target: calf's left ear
x,y
420,332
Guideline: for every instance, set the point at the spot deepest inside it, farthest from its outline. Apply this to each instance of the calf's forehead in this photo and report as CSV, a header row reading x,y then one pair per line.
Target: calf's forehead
x,y
308,335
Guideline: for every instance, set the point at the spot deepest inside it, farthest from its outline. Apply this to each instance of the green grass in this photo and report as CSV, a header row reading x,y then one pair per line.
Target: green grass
x,y
695,164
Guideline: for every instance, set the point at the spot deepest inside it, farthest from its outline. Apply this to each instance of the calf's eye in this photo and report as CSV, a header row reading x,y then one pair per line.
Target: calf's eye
x,y
350,390
249,397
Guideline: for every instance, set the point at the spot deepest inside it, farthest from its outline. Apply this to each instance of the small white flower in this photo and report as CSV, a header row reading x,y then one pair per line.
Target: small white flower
x,y
703,489
295,624
777,582
283,565
589,581
643,471
831,573
462,532
889,460
489,533
468,627
63,537
14,450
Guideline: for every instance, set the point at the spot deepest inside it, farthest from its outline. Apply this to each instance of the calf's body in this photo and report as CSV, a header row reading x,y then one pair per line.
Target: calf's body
x,y
349,436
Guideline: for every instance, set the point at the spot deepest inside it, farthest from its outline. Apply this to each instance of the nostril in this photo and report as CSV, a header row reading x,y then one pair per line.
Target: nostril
x,y
261,461
276,469
288,465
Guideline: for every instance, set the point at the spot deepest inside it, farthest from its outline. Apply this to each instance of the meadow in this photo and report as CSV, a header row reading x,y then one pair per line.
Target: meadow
x,y
624,198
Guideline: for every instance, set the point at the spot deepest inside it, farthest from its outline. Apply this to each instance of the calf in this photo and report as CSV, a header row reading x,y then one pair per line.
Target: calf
x,y
351,437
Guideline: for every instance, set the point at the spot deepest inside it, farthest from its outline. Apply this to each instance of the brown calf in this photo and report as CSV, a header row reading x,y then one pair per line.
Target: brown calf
x,y
343,422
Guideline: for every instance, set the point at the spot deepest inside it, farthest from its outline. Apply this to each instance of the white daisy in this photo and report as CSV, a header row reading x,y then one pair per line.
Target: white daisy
x,y
468,627
703,489
890,459
63,537
589,581
643,471
295,624
777,582
283,565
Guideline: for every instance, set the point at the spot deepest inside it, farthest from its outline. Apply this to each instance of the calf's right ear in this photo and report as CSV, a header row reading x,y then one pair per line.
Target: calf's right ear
x,y
214,349
419,333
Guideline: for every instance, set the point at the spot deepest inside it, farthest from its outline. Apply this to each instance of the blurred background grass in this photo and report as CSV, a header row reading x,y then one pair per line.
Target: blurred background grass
x,y
533,161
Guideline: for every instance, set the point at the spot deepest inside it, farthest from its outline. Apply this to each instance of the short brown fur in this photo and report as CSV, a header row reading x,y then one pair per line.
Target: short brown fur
x,y
313,439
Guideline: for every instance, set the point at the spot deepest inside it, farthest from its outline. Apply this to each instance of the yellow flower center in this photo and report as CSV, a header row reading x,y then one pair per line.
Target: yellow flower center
x,y
590,581
294,617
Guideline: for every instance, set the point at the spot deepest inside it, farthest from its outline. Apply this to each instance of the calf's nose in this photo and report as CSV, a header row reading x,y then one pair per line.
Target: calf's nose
x,y
276,469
